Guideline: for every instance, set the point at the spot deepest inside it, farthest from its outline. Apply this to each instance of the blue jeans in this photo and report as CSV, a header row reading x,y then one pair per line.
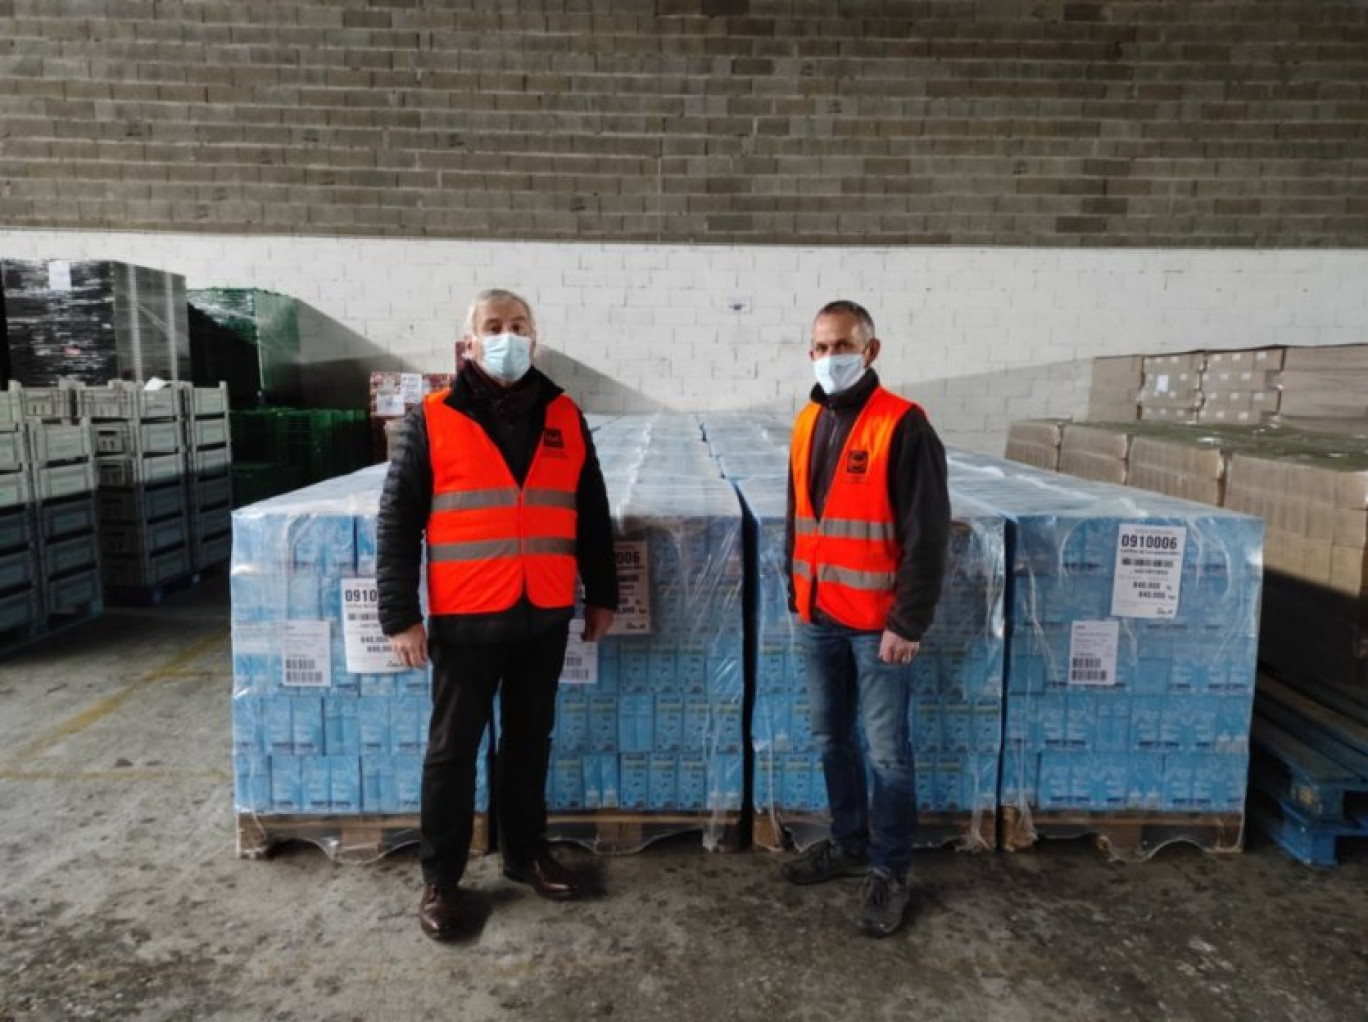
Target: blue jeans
x,y
848,684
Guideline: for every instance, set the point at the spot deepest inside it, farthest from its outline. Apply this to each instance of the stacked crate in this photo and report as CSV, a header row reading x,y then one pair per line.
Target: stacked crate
x,y
329,731
145,533
47,462
209,481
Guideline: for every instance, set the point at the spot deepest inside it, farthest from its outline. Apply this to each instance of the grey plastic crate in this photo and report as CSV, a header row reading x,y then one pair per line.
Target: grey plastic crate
x,y
142,503
57,519
199,402
14,489
118,539
127,401
53,482
132,470
76,592
51,442
67,555
16,528
13,451
212,492
11,411
214,550
145,571
39,403
212,523
207,432
138,438
210,460
16,569
20,609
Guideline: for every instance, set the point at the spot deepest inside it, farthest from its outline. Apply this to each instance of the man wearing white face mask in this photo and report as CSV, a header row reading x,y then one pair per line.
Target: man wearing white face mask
x,y
499,478
868,527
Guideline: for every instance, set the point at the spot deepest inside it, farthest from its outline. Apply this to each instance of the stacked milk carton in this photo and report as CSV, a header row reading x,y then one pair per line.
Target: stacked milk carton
x,y
650,722
956,710
324,722
1134,623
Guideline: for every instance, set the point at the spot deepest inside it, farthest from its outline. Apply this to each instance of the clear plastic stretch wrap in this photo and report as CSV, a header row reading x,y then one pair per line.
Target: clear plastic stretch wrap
x,y
93,321
649,724
1130,680
251,338
324,722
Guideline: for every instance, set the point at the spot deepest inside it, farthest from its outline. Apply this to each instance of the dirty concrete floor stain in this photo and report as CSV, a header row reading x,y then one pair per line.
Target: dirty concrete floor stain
x,y
121,898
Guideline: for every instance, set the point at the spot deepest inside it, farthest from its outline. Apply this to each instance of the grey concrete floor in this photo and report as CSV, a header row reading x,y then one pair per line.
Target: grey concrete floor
x,y
121,898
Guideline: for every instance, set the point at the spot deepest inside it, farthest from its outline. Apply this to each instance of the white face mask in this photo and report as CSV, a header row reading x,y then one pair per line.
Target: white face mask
x,y
506,356
836,373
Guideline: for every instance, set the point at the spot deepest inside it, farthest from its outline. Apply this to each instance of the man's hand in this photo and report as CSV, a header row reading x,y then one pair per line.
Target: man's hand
x,y
410,646
597,621
894,649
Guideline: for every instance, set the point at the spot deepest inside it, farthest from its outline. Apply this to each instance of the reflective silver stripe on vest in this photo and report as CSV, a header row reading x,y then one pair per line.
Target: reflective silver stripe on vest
x,y
846,528
475,500
477,550
549,498
549,545
874,581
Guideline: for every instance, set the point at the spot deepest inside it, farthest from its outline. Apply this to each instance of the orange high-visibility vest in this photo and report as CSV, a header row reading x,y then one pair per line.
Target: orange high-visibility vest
x,y
488,541
846,562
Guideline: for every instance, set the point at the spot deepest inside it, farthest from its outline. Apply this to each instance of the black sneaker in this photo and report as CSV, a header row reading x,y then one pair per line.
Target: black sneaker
x,y
883,903
826,860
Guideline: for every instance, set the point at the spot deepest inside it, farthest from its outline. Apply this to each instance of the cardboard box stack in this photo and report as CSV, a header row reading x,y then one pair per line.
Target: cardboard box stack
x,y
1095,451
1131,666
93,321
1114,394
1326,389
392,396
325,723
1172,390
1241,387
1036,442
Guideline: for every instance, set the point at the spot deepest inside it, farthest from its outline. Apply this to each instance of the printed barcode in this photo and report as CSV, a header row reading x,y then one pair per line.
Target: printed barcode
x,y
1085,662
575,674
303,677
1147,562
304,663
1082,675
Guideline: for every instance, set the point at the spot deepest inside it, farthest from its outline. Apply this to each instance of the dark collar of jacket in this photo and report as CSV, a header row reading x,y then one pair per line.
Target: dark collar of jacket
x,y
475,394
850,399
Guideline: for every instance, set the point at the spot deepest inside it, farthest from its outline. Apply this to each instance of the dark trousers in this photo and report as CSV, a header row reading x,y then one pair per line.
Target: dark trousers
x,y
464,680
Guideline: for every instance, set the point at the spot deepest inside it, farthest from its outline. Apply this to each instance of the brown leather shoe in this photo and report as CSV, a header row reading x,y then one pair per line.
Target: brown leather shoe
x,y
545,875
437,912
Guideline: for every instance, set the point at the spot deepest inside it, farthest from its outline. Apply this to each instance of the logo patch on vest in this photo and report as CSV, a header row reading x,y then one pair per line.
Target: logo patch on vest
x,y
857,463
553,440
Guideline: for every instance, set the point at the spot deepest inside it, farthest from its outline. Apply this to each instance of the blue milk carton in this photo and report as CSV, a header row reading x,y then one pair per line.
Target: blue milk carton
x,y
1146,723
1178,773
378,793
572,721
980,782
818,803
1199,724
341,730
1232,723
567,783
634,669
1173,721
693,783
287,777
696,717
1110,776
378,686
725,778
693,670
1112,714
663,669
249,738
770,674
669,723
278,724
408,783
1080,724
726,727
1050,722
956,726
924,779
306,726
634,780
609,780
987,726
593,782
663,782
316,781
800,723
770,722
603,723
1020,771
373,725
636,722
251,783
408,726
926,724
1056,780
344,778
796,790
1145,784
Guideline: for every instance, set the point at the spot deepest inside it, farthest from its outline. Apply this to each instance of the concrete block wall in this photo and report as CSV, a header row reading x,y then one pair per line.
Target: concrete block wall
x,y
1109,123
980,335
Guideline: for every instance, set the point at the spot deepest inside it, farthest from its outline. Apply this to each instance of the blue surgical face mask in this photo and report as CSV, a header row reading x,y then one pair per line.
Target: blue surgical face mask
x,y
506,356
836,373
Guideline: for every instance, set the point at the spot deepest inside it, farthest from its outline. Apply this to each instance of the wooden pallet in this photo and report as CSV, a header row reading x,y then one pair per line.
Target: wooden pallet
x,y
1136,835
1310,841
777,830
621,833
350,838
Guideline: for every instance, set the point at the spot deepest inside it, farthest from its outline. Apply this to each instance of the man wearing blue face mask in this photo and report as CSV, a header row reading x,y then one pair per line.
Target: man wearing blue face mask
x,y
867,531
498,480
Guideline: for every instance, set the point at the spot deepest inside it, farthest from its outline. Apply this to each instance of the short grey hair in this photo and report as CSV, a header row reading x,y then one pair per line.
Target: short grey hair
x,y
497,294
844,306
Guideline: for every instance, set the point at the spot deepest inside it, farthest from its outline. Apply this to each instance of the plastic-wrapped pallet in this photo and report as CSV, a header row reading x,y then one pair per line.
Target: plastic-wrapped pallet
x,y
93,321
648,737
249,338
325,724
1130,680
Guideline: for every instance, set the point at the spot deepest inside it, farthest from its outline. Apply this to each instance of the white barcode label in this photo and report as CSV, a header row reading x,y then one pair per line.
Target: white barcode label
x,y
368,651
1092,652
1149,571
307,646
581,658
634,589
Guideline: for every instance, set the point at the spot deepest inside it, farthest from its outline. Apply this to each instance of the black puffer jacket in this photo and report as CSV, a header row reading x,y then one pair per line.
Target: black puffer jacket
x,y
513,418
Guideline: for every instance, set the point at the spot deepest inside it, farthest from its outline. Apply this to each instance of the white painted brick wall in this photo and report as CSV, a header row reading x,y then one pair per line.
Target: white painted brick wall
x,y
640,327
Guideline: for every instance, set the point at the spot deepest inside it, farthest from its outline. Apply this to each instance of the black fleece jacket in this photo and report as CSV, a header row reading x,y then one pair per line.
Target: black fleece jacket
x,y
918,491
513,418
